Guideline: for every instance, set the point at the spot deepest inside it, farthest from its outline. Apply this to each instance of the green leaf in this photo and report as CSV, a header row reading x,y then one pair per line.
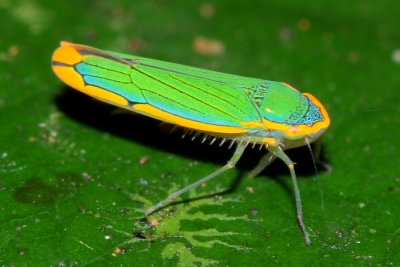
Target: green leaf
x,y
76,175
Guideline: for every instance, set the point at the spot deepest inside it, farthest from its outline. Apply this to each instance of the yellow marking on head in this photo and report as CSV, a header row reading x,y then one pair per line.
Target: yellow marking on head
x,y
293,131
156,113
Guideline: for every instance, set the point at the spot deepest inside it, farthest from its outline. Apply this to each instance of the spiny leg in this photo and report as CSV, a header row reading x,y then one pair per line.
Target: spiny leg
x,y
280,154
264,162
231,164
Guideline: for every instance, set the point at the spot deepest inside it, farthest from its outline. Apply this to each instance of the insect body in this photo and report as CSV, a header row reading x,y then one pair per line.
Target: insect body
x,y
245,110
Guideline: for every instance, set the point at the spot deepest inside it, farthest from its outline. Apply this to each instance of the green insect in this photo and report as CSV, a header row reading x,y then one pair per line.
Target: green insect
x,y
245,110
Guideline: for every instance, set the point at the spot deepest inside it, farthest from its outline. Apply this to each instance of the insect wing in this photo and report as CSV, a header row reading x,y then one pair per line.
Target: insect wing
x,y
191,97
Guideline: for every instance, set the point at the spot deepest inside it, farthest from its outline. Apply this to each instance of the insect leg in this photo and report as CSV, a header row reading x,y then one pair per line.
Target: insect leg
x,y
231,164
264,162
280,154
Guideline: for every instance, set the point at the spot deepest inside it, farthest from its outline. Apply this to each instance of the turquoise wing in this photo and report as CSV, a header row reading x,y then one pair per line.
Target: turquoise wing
x,y
193,94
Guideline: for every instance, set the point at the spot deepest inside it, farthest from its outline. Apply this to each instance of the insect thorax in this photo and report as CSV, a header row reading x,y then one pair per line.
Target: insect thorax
x,y
257,92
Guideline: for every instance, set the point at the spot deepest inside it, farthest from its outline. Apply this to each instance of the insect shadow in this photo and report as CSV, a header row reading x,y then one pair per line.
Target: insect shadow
x,y
141,129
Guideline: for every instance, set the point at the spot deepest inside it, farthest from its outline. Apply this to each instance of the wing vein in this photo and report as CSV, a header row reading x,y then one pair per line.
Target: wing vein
x,y
210,93
184,93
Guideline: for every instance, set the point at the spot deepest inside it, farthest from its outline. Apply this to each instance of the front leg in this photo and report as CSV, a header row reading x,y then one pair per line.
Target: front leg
x,y
299,209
